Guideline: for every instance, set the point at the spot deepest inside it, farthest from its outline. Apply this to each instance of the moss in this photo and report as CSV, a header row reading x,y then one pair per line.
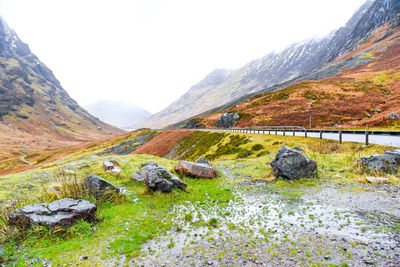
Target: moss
x,y
245,153
232,147
257,147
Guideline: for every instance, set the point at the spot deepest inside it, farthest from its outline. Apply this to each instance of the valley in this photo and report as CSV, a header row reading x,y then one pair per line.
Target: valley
x,y
244,217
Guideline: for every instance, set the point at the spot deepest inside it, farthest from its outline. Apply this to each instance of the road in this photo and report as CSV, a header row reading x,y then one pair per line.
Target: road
x,y
381,139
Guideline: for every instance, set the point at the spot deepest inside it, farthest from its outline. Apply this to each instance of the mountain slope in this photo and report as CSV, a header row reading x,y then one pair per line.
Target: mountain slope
x,y
295,61
35,111
364,92
120,114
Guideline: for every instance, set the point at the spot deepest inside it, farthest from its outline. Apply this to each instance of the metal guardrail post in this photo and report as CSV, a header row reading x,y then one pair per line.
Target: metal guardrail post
x,y
366,138
276,132
294,133
284,132
320,134
305,133
340,137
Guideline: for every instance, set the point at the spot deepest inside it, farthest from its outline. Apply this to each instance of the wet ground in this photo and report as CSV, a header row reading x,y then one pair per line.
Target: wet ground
x,y
326,224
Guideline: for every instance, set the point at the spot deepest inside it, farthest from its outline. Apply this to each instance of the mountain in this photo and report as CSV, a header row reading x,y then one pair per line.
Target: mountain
x,y
223,86
35,111
359,88
121,114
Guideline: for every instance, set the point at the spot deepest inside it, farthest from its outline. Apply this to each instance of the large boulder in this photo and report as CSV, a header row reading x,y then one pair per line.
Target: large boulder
x,y
97,186
379,163
64,212
227,120
395,153
197,170
291,164
158,178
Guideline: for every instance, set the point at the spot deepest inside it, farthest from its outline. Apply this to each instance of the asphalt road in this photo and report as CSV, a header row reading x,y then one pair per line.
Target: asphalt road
x,y
381,139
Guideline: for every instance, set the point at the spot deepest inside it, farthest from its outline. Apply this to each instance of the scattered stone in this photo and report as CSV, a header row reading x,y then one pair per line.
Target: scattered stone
x,y
377,111
377,180
367,115
66,172
203,161
63,212
158,178
108,165
379,163
112,166
227,120
197,170
393,116
97,186
290,164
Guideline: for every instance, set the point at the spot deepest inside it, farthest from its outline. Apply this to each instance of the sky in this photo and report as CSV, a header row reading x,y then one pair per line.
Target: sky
x,y
150,52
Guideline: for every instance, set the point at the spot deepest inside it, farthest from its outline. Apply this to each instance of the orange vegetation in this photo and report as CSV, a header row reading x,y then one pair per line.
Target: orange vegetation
x,y
360,97
162,143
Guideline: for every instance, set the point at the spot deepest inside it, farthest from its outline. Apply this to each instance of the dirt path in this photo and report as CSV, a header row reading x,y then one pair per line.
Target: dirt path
x,y
325,224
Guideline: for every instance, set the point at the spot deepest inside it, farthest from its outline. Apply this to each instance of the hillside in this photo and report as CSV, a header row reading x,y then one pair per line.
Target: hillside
x,y
35,111
121,114
292,64
364,94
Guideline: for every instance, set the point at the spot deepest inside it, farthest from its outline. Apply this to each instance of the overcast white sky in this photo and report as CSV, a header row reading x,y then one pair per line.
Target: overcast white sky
x,y
150,52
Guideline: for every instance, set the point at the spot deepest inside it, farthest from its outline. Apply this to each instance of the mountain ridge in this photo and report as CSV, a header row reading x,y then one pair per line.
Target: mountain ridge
x,y
296,60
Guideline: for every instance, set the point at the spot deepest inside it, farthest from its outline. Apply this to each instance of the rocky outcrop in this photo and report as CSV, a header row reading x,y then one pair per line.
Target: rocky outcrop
x,y
196,170
157,178
203,161
387,163
227,120
290,164
64,212
98,187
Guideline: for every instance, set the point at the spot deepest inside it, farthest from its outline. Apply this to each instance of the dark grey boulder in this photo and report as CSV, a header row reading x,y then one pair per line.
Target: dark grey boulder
x,y
97,186
396,154
227,120
203,161
379,163
64,212
158,178
290,164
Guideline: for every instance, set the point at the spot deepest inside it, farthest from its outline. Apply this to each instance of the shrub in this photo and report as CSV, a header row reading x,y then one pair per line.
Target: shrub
x,y
245,153
257,147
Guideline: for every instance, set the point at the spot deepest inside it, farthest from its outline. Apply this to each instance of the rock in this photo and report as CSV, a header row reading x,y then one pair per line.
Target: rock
x,y
290,164
108,165
66,172
377,180
379,163
227,120
194,124
115,170
203,161
393,116
395,153
377,111
367,115
111,166
158,178
114,162
197,170
63,212
97,186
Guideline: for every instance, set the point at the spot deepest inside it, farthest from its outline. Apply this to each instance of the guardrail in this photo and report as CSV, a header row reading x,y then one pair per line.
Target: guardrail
x,y
293,129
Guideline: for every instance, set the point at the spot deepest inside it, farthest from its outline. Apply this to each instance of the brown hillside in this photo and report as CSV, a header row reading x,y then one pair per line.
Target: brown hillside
x,y
359,97
162,143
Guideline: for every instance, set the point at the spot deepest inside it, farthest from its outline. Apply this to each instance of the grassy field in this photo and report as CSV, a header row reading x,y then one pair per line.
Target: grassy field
x,y
127,222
